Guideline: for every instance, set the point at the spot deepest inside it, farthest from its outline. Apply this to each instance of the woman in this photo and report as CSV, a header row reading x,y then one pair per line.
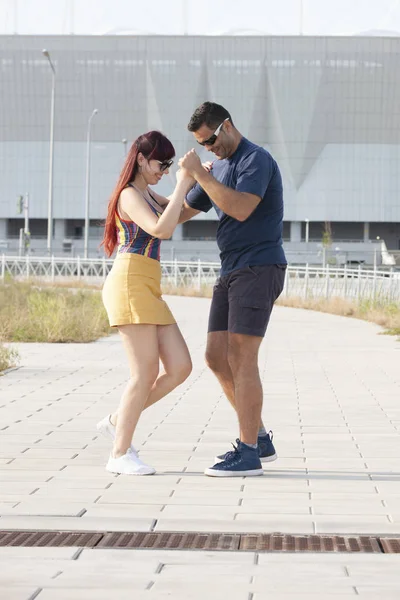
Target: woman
x,y
137,220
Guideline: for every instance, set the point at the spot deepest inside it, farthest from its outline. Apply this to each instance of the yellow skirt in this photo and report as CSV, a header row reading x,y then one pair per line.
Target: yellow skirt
x,y
132,292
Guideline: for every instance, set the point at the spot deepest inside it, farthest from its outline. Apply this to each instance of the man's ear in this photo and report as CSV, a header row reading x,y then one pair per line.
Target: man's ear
x,y
229,127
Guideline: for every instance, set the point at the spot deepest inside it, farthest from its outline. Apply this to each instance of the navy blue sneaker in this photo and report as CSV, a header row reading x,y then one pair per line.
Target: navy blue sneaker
x,y
242,461
266,449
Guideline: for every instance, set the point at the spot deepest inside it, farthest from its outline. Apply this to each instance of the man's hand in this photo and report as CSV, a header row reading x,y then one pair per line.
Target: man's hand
x,y
191,162
184,175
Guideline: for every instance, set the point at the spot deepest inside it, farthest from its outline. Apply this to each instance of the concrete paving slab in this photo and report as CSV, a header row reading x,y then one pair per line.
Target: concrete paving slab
x,y
331,389
19,592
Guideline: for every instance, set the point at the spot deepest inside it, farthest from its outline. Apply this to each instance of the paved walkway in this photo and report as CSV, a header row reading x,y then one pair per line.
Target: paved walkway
x,y
332,397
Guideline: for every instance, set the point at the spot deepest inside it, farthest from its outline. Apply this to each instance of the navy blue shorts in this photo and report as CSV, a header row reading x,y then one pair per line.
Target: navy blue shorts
x,y
242,301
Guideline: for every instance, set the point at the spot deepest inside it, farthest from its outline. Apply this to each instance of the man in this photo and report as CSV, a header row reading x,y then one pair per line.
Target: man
x,y
244,186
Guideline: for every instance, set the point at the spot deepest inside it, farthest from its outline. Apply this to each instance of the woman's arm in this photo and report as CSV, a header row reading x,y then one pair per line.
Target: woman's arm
x,y
163,201
136,207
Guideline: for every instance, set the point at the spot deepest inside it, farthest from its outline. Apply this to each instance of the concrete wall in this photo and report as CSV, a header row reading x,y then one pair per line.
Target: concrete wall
x,y
327,109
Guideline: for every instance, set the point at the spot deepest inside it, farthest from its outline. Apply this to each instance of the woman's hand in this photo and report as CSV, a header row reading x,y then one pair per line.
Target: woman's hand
x,y
207,166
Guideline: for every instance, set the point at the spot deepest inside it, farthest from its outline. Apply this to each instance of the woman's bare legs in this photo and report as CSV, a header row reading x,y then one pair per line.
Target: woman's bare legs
x,y
176,361
141,346
175,357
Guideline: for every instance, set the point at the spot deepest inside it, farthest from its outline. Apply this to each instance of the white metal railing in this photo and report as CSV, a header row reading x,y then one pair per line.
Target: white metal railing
x,y
353,284
304,281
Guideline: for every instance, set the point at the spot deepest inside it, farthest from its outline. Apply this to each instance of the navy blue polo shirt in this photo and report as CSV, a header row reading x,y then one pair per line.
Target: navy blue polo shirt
x,y
258,239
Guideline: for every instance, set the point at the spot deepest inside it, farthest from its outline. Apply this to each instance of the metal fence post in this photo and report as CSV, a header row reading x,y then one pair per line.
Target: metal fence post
x,y
359,284
78,266
175,272
53,268
199,275
287,279
391,279
3,267
374,282
306,283
327,276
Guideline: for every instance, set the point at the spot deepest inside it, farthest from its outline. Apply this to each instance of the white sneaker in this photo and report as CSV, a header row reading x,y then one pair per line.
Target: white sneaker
x,y
129,464
106,428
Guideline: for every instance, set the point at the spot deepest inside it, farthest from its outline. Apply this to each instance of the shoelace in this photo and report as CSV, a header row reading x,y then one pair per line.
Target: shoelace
x,y
232,454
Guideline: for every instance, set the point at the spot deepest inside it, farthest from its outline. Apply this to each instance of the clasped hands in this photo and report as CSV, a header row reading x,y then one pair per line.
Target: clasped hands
x,y
190,165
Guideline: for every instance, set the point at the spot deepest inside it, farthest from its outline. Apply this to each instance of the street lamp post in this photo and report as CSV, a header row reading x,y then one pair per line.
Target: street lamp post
x,y
301,17
86,240
125,143
307,229
51,159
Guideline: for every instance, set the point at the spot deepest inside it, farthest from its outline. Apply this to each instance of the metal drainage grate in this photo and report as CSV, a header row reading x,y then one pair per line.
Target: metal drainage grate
x,y
257,542
49,538
390,546
172,541
308,543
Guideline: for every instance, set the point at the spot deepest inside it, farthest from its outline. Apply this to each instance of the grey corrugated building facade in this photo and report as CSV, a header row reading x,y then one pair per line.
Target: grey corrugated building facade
x,y
327,108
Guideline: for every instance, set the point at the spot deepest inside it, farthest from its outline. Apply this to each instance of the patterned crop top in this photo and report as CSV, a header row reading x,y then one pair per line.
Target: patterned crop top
x,y
134,239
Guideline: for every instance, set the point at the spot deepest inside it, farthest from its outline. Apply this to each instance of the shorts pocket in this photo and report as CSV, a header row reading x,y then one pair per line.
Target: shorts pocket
x,y
217,285
253,271
252,315
256,303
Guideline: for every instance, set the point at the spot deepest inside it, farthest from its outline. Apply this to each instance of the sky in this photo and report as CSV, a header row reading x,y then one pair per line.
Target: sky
x,y
201,17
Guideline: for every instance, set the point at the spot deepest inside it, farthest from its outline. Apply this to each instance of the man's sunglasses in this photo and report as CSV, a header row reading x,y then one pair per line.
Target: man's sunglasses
x,y
165,164
213,138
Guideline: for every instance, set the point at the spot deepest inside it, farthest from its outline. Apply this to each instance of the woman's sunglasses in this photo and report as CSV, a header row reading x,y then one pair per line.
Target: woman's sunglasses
x,y
165,164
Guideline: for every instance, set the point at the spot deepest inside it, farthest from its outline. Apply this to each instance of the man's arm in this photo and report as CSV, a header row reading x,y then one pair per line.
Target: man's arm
x,y
163,201
239,205
187,213
250,187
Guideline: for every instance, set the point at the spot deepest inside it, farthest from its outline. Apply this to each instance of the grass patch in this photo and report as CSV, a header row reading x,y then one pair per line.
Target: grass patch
x,y
29,313
204,292
8,358
394,331
56,313
385,315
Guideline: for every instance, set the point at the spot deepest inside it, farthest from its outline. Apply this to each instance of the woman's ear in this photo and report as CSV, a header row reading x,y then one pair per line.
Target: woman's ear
x,y
140,159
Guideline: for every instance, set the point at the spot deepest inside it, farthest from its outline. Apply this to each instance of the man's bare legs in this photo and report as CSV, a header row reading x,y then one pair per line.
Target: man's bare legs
x,y
217,361
233,358
243,360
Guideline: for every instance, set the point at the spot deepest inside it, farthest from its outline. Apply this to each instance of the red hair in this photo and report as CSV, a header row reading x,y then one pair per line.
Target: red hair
x,y
153,145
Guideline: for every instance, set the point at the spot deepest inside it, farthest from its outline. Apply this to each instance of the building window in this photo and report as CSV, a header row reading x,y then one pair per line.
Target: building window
x,y
200,230
76,227
37,228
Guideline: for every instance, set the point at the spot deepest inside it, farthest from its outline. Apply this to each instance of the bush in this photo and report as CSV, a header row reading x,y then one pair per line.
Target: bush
x,y
8,358
385,315
32,314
